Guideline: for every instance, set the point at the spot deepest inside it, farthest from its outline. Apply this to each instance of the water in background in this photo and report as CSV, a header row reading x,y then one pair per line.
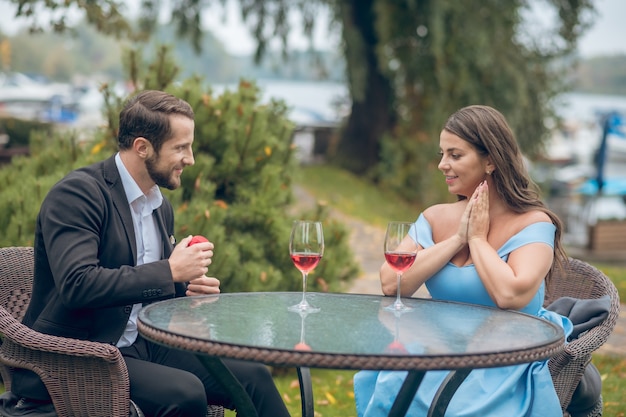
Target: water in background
x,y
311,102
588,107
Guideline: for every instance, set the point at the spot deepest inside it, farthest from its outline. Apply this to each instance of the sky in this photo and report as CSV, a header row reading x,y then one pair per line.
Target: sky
x,y
606,36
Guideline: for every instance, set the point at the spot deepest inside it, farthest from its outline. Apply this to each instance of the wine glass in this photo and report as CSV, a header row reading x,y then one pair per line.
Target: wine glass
x,y
306,247
398,258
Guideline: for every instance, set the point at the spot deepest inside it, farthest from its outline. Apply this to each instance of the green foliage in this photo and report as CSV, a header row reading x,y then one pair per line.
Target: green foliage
x,y
238,192
108,16
19,130
26,180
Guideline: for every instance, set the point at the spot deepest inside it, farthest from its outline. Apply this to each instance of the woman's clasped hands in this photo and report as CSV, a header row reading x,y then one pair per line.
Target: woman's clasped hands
x,y
475,219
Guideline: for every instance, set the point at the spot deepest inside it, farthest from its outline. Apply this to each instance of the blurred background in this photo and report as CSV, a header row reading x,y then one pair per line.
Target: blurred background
x,y
328,110
363,83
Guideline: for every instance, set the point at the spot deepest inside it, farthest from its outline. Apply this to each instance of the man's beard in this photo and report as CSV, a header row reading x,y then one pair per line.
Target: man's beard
x,y
160,178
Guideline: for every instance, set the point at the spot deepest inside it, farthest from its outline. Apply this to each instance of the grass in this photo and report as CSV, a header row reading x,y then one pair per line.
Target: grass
x,y
332,390
351,195
613,372
617,275
613,369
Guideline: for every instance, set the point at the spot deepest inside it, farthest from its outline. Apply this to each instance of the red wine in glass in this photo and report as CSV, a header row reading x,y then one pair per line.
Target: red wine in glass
x,y
398,257
305,262
400,261
306,247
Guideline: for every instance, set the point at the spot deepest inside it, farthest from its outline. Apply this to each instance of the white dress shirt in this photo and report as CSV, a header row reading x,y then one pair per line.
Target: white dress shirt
x,y
149,244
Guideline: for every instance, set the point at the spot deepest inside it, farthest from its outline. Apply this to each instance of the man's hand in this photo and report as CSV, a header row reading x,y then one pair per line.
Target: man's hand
x,y
190,262
203,285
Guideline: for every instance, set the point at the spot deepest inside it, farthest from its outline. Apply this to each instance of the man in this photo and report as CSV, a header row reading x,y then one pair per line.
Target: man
x,y
104,245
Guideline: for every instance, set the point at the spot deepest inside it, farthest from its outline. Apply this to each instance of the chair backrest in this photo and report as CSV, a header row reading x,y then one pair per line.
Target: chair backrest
x,y
16,279
583,281
16,284
580,280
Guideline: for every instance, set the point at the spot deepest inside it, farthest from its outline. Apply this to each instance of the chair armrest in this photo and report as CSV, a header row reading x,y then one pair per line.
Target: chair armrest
x,y
82,377
26,337
566,369
568,366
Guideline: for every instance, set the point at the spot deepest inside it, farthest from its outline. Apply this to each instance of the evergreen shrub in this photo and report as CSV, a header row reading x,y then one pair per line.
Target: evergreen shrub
x,y
238,193
19,130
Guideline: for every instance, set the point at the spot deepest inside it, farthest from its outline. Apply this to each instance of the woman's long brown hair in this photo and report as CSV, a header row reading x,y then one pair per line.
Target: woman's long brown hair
x,y
488,132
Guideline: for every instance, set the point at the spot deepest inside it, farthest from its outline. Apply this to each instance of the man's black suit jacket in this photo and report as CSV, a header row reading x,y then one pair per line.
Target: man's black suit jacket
x,y
86,280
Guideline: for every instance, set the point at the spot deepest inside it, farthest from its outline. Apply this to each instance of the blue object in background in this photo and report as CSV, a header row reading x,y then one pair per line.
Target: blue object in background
x,y
614,124
57,111
612,186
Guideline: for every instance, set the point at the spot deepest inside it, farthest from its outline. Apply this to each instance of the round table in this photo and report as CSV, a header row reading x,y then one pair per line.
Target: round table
x,y
352,331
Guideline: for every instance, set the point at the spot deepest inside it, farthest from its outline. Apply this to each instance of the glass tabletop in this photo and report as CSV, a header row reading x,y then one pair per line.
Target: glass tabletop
x,y
350,324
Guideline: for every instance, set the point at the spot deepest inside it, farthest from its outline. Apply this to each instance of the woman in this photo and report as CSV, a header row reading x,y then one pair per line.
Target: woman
x,y
494,246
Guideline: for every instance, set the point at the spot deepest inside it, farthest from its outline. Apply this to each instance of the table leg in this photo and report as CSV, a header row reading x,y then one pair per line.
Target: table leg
x,y
445,392
406,393
241,399
306,392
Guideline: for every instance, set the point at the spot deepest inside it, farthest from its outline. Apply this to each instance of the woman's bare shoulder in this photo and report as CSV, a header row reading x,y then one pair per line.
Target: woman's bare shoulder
x,y
534,216
516,223
444,211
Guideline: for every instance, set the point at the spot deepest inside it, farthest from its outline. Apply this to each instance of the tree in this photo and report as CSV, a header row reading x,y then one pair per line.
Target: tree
x,y
409,64
61,57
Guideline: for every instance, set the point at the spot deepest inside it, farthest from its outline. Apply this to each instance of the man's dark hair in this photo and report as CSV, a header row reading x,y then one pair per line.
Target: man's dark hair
x,y
147,115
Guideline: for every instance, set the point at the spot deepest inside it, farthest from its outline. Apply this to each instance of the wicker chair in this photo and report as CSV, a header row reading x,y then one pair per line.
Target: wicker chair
x,y
582,281
83,378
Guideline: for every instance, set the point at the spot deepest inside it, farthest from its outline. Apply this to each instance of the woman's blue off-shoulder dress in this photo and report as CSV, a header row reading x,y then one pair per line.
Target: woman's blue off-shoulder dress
x,y
513,391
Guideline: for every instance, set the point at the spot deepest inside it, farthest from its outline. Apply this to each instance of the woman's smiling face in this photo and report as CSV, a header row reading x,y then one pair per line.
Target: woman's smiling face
x,y
463,167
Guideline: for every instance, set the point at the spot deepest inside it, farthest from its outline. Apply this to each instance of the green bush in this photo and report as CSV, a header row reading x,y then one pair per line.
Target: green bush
x,y
19,130
238,193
